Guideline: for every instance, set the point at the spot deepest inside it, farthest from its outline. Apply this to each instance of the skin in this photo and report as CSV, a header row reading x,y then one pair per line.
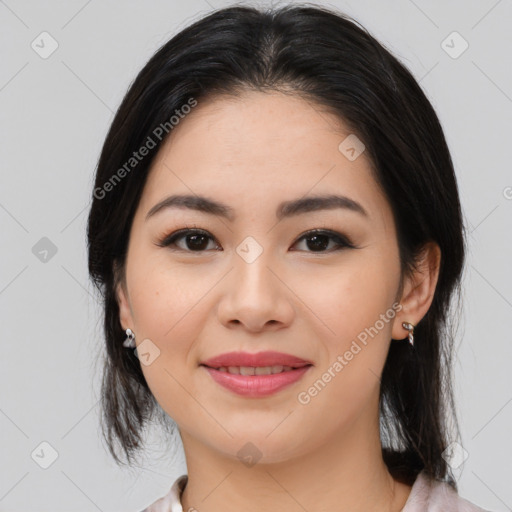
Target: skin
x,y
251,153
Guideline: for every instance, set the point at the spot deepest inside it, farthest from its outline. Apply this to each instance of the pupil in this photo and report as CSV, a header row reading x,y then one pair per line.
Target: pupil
x,y
196,246
317,242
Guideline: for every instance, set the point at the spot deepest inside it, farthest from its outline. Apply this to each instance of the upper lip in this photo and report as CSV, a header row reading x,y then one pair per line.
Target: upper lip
x,y
268,358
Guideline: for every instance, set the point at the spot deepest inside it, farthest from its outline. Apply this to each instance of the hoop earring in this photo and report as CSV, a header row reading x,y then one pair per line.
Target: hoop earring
x,y
129,342
409,327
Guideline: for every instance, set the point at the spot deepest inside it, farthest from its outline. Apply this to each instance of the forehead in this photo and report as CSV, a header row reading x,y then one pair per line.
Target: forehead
x,y
258,149
264,128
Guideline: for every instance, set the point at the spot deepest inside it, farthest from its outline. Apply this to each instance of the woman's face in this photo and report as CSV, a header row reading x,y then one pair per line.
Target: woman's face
x,y
256,281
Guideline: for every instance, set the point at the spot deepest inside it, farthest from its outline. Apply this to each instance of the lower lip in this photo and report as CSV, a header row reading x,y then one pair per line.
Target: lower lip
x,y
256,385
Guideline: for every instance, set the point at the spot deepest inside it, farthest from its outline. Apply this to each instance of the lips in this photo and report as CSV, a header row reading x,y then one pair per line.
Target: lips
x,y
260,359
257,386
256,375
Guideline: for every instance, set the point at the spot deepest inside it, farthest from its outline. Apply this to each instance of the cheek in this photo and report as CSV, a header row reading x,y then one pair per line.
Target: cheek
x,y
350,296
349,372
171,314
354,335
166,296
172,304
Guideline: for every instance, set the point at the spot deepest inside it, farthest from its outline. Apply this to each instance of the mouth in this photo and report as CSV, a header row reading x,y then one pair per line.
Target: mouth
x,y
269,361
256,380
256,370
256,375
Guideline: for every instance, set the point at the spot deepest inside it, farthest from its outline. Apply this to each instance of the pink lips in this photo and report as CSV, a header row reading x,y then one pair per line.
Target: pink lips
x,y
268,358
256,385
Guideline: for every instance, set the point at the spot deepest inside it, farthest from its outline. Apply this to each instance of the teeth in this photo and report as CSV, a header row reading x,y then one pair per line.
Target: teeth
x,y
258,370
268,370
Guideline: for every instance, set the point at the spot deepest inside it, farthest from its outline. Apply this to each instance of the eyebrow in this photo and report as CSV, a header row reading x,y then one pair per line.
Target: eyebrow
x,y
284,209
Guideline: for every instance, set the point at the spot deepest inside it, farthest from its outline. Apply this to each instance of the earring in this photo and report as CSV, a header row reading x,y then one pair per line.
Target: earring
x,y
129,342
410,328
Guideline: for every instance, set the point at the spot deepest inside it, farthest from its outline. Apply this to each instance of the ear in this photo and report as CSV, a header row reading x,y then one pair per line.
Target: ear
x,y
125,310
418,290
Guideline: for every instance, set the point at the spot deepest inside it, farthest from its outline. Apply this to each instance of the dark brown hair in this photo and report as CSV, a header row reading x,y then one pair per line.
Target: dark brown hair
x,y
329,59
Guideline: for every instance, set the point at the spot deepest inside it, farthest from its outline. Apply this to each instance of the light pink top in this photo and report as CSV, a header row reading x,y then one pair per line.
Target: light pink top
x,y
426,496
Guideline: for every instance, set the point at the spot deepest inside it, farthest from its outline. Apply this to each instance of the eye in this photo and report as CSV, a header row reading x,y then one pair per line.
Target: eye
x,y
196,240
319,239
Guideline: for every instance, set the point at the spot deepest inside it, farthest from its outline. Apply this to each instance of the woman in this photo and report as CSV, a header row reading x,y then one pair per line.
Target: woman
x,y
277,234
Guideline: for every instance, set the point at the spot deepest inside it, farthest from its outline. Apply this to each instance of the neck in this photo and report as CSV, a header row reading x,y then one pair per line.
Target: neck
x,y
344,473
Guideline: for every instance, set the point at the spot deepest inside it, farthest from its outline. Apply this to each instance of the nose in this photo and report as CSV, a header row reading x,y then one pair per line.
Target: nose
x,y
255,297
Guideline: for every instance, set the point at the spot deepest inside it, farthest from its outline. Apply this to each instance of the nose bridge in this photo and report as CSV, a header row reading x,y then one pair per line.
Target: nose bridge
x,y
251,263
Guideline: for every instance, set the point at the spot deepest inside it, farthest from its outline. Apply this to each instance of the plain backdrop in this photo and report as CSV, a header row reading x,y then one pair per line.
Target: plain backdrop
x,y
55,113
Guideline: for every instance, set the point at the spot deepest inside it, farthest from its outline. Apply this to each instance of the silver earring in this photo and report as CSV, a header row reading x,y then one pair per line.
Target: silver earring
x,y
410,328
129,342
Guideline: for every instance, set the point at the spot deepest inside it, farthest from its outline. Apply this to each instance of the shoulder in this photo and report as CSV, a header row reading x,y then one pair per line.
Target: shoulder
x,y
428,495
171,502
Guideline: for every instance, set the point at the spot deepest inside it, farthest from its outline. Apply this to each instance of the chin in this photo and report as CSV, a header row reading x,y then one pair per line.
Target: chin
x,y
261,448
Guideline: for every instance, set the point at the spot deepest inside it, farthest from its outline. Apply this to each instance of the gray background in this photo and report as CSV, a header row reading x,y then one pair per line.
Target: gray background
x,y
55,115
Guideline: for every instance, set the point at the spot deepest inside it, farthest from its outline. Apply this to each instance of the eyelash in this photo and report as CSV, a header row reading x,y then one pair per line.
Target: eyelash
x,y
341,240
